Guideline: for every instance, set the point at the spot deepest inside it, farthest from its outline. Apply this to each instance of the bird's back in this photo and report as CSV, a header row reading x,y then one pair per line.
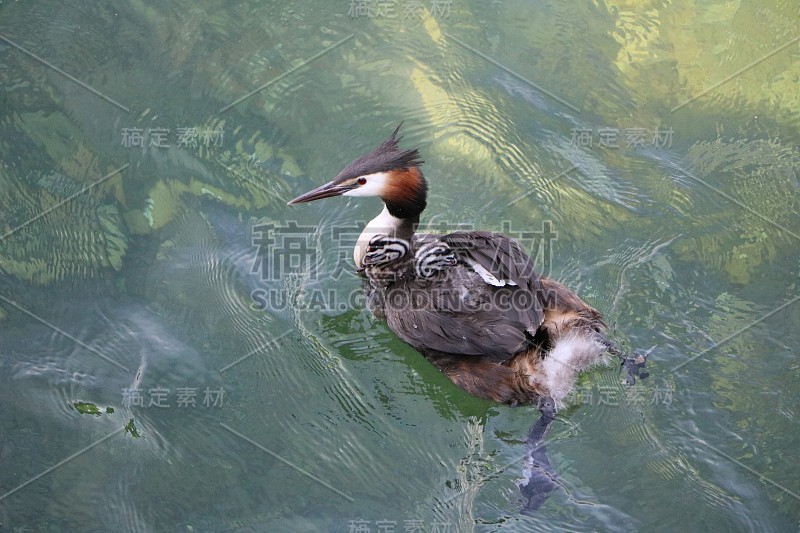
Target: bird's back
x,y
488,320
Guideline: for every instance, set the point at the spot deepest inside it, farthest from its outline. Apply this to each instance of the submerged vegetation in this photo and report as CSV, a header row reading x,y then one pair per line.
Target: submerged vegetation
x,y
132,430
667,57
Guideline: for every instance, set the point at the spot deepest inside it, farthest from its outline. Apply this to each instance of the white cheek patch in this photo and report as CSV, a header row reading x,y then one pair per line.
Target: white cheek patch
x,y
375,185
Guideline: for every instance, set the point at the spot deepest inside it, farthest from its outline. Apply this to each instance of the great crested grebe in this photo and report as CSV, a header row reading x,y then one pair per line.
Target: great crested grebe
x,y
469,301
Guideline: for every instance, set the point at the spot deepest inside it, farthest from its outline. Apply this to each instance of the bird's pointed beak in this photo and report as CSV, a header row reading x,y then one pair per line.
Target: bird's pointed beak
x,y
328,190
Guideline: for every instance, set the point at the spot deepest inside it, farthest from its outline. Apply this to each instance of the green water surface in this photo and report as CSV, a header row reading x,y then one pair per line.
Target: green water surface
x,y
181,351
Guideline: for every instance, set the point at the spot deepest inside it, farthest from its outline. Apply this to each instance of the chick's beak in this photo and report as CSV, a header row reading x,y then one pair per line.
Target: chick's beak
x,y
328,190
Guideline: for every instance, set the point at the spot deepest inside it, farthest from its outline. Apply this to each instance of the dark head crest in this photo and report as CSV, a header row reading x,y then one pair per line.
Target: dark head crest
x,y
386,157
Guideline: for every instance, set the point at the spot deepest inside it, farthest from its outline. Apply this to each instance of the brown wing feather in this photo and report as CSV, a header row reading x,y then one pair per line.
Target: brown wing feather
x,y
505,260
458,313
497,253
435,324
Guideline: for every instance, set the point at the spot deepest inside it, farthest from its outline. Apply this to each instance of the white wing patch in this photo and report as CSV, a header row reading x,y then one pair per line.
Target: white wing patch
x,y
487,276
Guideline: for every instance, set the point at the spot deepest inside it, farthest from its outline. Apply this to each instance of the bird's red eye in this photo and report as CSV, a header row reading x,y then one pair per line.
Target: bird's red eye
x,y
362,181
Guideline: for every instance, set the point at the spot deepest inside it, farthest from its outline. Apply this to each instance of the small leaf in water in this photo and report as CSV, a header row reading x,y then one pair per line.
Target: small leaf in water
x,y
130,429
86,408
110,410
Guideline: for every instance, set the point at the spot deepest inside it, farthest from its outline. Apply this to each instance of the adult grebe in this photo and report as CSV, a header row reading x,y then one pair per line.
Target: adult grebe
x,y
469,301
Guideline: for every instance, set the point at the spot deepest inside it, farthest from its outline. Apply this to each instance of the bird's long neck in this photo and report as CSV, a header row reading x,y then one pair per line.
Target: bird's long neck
x,y
404,197
384,224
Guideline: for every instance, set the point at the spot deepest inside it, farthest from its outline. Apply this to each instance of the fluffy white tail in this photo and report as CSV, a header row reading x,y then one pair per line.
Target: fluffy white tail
x,y
571,355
